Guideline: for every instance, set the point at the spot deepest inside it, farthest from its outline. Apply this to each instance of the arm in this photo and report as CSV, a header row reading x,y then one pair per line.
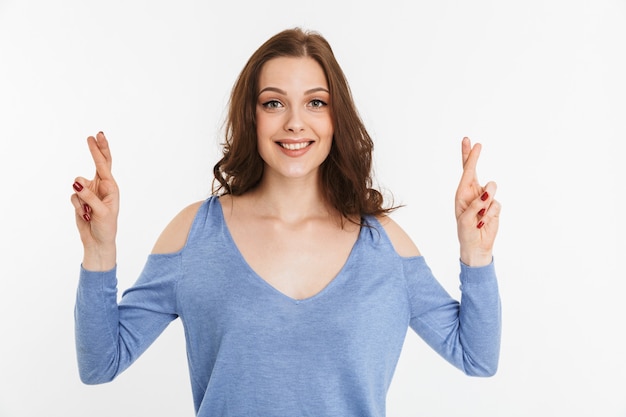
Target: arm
x,y
474,326
110,336
467,334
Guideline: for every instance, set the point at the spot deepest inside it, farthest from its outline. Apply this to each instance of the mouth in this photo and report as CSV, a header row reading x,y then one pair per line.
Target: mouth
x,y
294,146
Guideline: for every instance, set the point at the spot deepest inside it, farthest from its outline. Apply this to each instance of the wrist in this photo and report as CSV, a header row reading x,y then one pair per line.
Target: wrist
x,y
102,258
476,258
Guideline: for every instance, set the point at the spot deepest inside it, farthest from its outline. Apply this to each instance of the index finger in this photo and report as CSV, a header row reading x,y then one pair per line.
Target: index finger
x,y
101,154
470,156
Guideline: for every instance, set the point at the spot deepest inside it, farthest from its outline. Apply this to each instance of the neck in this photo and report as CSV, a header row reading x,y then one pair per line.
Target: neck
x,y
291,200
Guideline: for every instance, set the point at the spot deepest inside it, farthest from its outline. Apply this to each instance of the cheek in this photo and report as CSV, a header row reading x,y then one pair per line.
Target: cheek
x,y
325,127
266,126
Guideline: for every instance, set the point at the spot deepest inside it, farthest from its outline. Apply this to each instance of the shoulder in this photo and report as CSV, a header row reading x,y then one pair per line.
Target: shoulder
x,y
400,240
174,236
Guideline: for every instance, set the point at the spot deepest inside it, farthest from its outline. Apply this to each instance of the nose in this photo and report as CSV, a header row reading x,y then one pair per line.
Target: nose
x,y
294,121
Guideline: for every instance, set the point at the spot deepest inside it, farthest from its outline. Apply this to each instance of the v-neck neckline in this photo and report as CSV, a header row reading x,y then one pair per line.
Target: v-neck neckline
x,y
334,281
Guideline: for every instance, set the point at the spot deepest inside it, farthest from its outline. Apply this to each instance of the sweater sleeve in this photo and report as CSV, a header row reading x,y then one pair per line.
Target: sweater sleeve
x,y
111,336
466,333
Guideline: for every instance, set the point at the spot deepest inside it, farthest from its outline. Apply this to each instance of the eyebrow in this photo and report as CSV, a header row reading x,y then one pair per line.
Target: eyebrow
x,y
283,92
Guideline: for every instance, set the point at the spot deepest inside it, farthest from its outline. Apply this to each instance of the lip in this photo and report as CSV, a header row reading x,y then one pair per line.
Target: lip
x,y
294,152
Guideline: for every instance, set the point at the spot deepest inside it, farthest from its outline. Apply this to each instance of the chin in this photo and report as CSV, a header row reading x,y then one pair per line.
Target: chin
x,y
294,173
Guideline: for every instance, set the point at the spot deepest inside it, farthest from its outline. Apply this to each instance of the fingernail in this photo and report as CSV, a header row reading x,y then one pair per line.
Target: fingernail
x,y
87,217
480,224
77,186
484,196
481,212
86,208
101,132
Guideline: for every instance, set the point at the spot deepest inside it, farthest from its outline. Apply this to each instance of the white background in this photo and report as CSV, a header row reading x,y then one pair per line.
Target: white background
x,y
541,84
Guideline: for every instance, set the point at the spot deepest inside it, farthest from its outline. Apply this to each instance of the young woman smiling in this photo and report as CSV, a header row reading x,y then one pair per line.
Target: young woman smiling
x,y
294,286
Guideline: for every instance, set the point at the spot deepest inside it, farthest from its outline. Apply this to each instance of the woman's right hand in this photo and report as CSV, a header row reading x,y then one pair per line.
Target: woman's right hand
x,y
96,205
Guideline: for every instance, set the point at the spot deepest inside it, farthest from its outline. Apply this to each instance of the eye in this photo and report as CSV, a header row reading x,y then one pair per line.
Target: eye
x,y
317,103
272,105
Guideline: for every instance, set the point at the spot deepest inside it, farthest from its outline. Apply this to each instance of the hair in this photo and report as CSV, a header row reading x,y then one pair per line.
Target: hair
x,y
345,175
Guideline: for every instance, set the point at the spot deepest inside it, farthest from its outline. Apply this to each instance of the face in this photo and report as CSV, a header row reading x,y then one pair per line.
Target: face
x,y
294,124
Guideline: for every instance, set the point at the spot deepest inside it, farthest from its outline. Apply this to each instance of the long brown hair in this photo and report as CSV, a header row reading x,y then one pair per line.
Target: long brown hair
x,y
345,175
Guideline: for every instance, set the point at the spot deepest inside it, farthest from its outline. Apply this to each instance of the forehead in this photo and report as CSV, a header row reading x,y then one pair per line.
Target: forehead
x,y
290,71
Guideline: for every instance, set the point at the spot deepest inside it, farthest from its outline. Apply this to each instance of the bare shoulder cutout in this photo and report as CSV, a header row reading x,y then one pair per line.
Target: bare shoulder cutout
x,y
174,236
400,240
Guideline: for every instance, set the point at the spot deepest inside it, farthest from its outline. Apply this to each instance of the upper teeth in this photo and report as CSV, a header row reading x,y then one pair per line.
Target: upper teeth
x,y
294,146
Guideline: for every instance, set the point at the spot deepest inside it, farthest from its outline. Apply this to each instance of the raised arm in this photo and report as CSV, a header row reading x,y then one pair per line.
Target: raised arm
x,y
111,335
467,334
476,211
96,204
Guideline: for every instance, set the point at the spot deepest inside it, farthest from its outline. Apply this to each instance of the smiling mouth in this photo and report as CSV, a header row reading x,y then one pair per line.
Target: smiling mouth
x,y
294,146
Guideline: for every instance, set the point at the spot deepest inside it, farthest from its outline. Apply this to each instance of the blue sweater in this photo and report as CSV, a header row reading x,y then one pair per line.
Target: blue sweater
x,y
254,351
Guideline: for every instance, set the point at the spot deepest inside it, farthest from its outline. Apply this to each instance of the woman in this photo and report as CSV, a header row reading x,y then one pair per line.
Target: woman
x,y
294,287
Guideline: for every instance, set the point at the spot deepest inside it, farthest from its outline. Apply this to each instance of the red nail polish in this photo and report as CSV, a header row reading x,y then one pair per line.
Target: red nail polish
x,y
481,212
77,186
480,224
87,217
484,196
86,208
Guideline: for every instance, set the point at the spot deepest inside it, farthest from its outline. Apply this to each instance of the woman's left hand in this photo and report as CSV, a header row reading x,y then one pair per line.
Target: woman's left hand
x,y
476,211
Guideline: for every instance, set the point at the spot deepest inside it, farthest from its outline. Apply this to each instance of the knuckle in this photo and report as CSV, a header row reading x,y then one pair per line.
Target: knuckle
x,y
477,203
495,206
